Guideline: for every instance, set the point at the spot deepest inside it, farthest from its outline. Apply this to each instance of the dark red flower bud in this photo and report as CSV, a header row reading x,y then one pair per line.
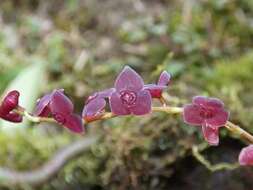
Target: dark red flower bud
x,y
157,89
9,103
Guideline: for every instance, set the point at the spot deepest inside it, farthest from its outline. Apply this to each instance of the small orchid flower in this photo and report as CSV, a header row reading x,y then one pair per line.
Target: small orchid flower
x,y
208,113
95,104
129,96
61,109
156,89
42,108
246,156
9,103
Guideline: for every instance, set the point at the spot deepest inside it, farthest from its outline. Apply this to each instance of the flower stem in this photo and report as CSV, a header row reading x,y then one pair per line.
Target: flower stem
x,y
239,131
167,109
104,116
32,118
109,115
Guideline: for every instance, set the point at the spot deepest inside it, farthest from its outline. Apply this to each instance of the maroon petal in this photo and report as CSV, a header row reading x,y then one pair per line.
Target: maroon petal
x,y
13,117
143,103
191,115
102,94
219,118
74,123
106,93
61,103
211,135
117,106
94,108
42,107
46,112
155,90
246,156
129,79
92,97
10,102
214,103
199,100
164,79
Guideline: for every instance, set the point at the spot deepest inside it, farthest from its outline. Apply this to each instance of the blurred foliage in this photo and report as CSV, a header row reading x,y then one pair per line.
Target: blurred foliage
x,y
205,44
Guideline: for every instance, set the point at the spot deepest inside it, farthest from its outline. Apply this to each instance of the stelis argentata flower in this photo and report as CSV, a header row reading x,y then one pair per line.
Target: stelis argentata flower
x,y
61,108
246,156
95,105
208,113
129,96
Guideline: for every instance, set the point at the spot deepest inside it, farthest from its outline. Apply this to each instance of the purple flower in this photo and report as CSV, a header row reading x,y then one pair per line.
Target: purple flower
x,y
208,113
129,96
246,156
61,109
9,103
156,89
95,105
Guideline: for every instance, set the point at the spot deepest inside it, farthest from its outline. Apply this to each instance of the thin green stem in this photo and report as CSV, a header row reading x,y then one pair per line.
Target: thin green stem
x,y
104,116
33,118
167,109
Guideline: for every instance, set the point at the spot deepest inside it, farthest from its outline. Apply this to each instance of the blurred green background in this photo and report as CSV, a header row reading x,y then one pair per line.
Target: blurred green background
x,y
81,46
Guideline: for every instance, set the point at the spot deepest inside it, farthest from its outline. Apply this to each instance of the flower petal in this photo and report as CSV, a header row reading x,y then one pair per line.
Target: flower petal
x,y
155,90
102,94
92,97
93,109
211,135
246,156
61,103
191,115
42,107
219,119
13,117
129,79
143,103
214,103
164,79
199,100
106,93
10,102
74,123
116,105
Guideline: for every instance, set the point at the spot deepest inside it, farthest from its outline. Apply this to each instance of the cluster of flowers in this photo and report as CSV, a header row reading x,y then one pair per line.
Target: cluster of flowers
x,y
130,96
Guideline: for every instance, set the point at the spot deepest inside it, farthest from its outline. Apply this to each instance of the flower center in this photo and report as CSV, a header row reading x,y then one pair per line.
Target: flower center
x,y
128,97
59,118
206,113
